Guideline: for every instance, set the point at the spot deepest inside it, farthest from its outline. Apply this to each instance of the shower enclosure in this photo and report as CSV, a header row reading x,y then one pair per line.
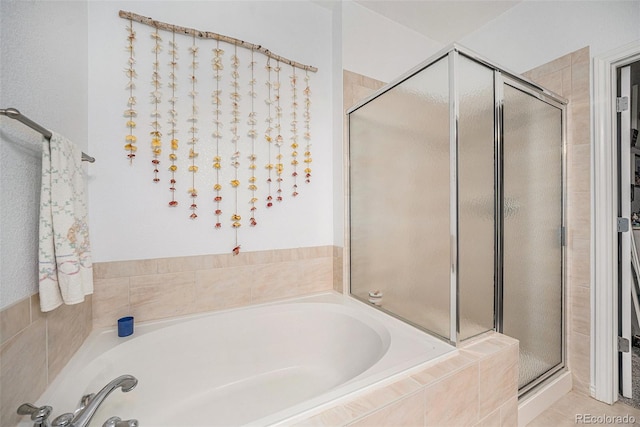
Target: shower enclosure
x,y
456,206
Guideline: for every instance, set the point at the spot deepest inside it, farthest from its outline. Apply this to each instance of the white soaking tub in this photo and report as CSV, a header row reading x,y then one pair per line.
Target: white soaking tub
x,y
259,365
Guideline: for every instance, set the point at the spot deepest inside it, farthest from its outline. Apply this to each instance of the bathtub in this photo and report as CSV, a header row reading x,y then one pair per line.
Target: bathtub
x,y
260,365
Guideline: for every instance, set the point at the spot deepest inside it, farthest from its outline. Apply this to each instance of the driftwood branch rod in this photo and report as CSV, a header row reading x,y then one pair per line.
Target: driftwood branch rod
x,y
210,35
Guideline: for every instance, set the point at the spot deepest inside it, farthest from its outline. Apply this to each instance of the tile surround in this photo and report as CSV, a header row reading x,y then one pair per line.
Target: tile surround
x,y
452,391
34,346
167,287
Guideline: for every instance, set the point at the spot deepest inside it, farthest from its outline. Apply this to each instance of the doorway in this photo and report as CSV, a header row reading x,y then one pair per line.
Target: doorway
x,y
605,319
628,81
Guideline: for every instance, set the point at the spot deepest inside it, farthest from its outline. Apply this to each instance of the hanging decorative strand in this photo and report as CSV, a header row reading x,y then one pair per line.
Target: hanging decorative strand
x,y
211,35
252,135
294,131
307,128
235,120
130,113
279,139
173,119
267,133
156,97
193,141
217,187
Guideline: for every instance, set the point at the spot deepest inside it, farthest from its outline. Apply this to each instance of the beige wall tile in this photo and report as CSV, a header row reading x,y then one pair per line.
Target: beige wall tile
x,y
491,420
110,270
162,295
580,309
338,273
444,368
275,281
488,345
578,257
580,81
566,83
407,412
316,274
509,413
223,288
549,67
336,416
67,328
498,380
181,264
579,347
36,313
443,410
552,81
14,318
110,301
381,397
23,371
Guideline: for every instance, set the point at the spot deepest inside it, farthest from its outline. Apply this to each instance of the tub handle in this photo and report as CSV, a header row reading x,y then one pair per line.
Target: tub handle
x,y
38,415
117,422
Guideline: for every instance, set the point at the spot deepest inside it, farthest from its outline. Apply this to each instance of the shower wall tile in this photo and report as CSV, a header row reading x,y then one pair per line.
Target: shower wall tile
x,y
35,346
14,318
227,289
167,287
110,300
580,310
23,370
109,270
162,295
67,328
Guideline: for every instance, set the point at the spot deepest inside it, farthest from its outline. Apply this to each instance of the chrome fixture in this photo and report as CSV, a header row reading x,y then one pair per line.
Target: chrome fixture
x,y
90,404
117,422
17,115
38,415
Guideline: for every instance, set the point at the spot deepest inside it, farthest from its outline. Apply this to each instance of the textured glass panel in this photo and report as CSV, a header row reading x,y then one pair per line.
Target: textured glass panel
x,y
476,198
532,221
399,195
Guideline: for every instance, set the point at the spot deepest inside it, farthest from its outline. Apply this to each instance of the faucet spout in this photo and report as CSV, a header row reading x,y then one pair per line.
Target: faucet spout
x,y
83,417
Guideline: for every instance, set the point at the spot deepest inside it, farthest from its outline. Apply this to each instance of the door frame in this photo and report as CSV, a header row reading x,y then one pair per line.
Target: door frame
x,y
604,240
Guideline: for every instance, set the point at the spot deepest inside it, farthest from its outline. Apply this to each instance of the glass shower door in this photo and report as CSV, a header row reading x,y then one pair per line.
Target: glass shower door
x,y
532,215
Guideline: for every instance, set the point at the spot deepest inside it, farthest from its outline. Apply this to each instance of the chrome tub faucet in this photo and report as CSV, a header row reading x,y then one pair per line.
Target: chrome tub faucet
x,y
89,404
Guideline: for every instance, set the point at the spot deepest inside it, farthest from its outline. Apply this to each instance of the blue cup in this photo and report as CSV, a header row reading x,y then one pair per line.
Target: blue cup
x,y
125,326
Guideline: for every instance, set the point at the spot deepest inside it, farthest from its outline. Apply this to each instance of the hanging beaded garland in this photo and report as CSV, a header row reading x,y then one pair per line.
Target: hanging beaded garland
x,y
217,187
156,97
273,132
279,138
235,120
173,119
294,132
307,127
267,133
193,130
252,135
130,112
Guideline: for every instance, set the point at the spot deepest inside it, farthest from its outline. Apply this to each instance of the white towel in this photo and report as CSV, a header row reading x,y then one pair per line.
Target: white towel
x,y
64,255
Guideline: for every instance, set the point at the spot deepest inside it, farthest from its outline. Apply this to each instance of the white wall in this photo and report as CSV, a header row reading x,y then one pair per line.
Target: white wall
x,y
536,32
43,47
129,215
377,47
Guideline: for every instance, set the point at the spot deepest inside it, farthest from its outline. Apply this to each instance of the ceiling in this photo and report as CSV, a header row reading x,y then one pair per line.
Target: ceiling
x,y
444,21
